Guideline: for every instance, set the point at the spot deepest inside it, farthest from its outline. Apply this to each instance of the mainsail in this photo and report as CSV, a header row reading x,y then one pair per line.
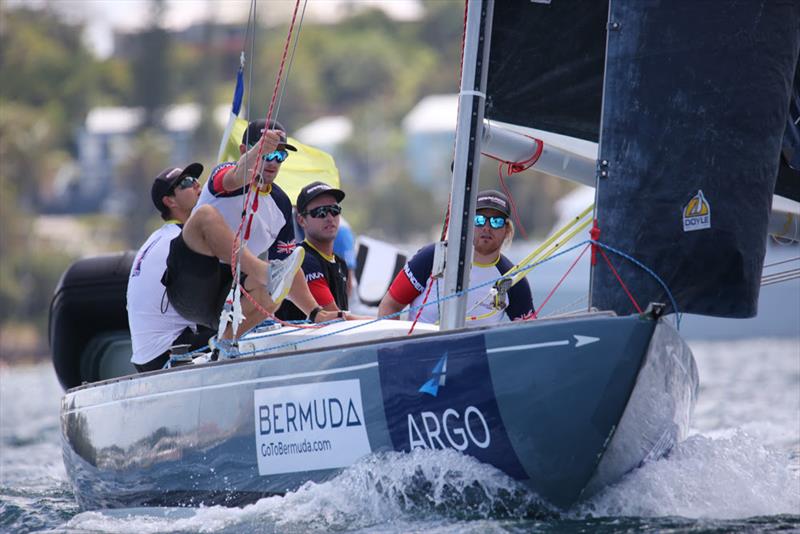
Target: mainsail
x,y
695,98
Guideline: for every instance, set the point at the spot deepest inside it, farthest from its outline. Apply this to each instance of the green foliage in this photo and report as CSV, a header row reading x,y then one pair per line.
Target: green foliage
x,y
46,67
367,67
147,159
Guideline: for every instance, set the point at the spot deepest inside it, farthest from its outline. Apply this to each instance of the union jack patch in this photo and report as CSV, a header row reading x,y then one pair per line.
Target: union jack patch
x,y
285,248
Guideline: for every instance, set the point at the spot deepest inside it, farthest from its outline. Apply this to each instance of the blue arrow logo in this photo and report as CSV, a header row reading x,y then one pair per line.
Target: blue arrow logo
x,y
431,386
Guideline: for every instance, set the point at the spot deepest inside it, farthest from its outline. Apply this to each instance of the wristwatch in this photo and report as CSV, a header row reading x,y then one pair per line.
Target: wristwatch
x,y
312,316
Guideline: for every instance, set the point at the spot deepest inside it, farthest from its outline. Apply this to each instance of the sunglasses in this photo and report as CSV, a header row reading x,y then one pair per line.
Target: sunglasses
x,y
185,183
495,222
279,155
321,212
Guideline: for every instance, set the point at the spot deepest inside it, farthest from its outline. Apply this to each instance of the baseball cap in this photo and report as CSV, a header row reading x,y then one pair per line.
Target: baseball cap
x,y
494,200
254,130
167,179
315,189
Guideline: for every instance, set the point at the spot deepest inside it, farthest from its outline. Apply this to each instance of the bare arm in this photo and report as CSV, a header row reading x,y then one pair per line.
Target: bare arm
x,y
301,296
249,160
389,305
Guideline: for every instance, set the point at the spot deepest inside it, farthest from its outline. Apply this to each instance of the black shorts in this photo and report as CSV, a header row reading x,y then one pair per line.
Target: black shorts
x,y
197,285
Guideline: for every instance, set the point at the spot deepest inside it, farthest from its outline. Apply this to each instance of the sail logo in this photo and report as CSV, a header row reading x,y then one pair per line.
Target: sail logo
x,y
437,380
305,427
697,213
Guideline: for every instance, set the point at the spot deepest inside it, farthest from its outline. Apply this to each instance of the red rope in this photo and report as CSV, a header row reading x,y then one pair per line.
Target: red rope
x,y
536,313
422,306
514,167
519,166
514,212
594,233
251,182
624,287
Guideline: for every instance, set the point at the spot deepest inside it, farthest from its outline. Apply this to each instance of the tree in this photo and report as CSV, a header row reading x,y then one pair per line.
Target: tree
x,y
151,67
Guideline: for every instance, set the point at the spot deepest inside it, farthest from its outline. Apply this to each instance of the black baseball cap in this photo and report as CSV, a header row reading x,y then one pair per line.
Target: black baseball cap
x,y
494,200
166,180
315,189
254,130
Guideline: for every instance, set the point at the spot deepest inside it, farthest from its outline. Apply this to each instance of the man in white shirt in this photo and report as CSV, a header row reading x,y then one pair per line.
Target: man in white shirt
x,y
154,324
198,274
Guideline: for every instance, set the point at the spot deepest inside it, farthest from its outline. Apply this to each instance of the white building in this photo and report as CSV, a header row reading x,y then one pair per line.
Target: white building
x,y
430,133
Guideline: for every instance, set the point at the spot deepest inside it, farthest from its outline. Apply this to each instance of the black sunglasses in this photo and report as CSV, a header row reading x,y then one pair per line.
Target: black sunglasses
x,y
185,183
320,212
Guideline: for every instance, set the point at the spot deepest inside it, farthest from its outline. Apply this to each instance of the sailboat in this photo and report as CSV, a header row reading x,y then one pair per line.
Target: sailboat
x,y
690,106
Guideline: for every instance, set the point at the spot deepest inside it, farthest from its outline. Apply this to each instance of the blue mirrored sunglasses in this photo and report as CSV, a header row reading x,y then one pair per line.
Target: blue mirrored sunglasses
x,y
279,155
185,183
320,212
495,222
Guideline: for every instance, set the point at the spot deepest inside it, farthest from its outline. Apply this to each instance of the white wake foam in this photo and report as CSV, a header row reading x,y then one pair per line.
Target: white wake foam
x,y
730,477
423,487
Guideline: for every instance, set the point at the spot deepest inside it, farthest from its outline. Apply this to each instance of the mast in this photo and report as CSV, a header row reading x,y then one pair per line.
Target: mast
x,y
471,103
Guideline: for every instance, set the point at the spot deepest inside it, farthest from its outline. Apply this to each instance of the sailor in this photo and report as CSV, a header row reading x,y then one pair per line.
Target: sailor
x,y
198,274
493,230
318,216
155,325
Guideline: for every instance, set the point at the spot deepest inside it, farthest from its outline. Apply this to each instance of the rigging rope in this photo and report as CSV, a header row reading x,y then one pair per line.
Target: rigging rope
x,y
446,222
251,207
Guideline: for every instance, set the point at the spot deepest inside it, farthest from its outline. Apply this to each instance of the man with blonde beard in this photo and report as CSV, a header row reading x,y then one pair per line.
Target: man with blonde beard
x,y
493,228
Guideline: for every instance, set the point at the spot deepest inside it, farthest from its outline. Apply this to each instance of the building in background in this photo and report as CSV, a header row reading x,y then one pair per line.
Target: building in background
x,y
430,134
106,140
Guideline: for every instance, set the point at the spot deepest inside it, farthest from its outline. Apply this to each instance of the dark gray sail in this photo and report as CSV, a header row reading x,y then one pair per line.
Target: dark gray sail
x,y
695,118
788,184
694,113
546,65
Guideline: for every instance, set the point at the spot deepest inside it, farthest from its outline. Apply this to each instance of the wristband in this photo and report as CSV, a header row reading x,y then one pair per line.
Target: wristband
x,y
313,314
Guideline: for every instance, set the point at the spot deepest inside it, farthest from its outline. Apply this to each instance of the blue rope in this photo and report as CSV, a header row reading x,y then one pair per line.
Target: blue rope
x,y
234,353
651,273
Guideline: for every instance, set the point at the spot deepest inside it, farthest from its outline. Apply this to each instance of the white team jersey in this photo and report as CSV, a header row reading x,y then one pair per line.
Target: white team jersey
x,y
267,221
153,322
479,302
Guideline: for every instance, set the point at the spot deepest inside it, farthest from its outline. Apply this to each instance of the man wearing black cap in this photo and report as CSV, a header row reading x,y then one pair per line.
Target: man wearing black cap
x,y
318,210
155,325
493,229
198,266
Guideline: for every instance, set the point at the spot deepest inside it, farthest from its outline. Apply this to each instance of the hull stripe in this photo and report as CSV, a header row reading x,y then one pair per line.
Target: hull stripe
x,y
229,384
531,346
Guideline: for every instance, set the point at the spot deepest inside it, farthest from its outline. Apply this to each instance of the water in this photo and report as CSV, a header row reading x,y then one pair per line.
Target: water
x,y
739,470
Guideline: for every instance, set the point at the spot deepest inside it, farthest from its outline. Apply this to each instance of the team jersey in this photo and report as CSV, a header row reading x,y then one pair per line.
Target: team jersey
x,y
271,230
327,280
153,322
411,285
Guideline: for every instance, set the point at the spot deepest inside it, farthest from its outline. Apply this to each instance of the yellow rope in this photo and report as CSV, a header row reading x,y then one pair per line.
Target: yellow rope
x,y
541,253
518,272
